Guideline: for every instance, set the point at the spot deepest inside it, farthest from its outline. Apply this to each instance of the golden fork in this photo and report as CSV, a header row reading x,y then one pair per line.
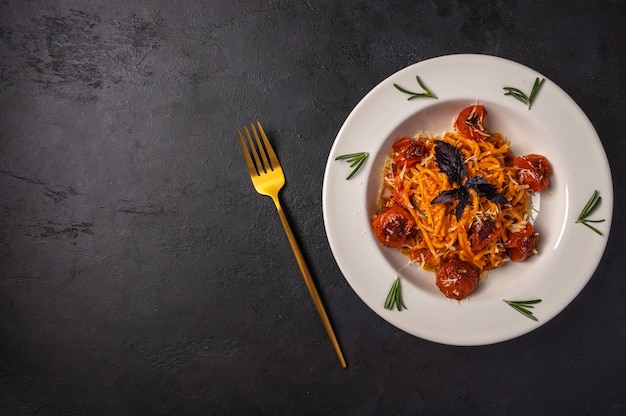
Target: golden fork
x,y
268,179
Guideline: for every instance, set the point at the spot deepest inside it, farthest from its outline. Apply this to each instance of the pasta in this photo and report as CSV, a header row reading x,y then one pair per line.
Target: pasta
x,y
477,211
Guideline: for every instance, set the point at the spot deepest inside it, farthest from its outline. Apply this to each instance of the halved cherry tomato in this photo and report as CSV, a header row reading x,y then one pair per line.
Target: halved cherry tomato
x,y
521,245
469,123
481,233
392,226
534,171
407,151
457,279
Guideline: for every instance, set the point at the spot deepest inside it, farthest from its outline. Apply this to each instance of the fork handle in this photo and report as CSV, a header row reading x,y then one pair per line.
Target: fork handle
x,y
309,283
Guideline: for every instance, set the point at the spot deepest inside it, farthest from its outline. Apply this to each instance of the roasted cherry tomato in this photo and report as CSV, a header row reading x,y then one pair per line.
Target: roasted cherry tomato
x,y
407,151
481,233
521,245
423,255
534,171
399,194
392,226
469,123
457,279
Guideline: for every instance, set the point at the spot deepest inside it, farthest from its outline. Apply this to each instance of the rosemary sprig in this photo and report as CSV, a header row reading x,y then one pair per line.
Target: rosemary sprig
x,y
521,96
523,306
356,160
591,206
394,298
412,95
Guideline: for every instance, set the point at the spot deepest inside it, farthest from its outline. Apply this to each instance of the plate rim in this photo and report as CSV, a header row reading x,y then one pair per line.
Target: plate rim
x,y
331,166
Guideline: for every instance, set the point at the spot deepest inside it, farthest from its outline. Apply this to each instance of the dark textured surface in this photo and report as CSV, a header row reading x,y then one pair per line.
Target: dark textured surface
x,y
141,274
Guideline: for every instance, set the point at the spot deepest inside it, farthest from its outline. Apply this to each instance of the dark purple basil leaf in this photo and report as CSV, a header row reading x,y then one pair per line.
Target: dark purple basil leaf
x,y
497,198
445,196
489,191
463,200
475,181
450,161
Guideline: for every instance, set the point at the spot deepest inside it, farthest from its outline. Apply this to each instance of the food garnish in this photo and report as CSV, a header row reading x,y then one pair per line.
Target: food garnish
x,y
394,298
591,206
523,306
450,161
356,160
412,95
521,96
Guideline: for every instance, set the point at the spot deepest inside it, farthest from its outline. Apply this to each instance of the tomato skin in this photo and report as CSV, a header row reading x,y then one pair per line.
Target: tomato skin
x,y
424,254
481,233
456,279
408,152
534,171
399,194
392,226
469,123
521,245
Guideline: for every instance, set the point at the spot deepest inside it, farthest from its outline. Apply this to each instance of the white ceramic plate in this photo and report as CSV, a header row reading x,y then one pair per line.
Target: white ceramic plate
x,y
554,127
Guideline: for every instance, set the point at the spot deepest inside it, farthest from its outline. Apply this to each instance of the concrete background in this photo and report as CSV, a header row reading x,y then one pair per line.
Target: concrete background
x,y
140,274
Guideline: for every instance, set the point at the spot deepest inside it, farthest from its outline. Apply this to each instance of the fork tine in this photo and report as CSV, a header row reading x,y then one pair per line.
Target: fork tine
x,y
266,165
255,152
268,146
246,154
